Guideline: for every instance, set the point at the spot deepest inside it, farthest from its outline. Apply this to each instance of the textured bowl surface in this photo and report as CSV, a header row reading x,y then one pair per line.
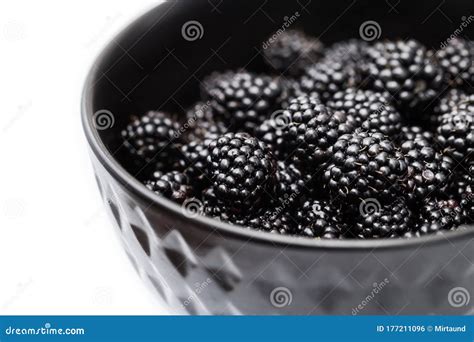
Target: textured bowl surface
x,y
201,266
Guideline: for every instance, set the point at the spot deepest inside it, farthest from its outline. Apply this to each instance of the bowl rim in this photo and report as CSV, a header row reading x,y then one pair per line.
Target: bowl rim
x,y
130,183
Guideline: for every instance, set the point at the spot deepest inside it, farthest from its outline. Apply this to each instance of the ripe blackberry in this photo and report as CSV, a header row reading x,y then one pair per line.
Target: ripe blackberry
x,y
326,78
317,219
407,71
151,136
456,60
273,222
415,133
347,52
213,207
292,51
449,101
429,171
173,185
201,123
438,215
455,134
462,188
364,165
312,129
394,219
242,169
291,184
243,100
193,160
271,133
369,110
292,89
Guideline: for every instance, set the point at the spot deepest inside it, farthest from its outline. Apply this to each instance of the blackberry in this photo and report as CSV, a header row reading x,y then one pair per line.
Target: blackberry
x,y
455,134
201,123
326,78
292,89
437,215
173,185
290,184
429,171
317,219
193,160
243,100
369,110
415,133
273,222
449,101
312,129
242,170
364,165
347,52
151,136
456,60
213,207
385,221
462,188
271,133
407,71
279,222
292,51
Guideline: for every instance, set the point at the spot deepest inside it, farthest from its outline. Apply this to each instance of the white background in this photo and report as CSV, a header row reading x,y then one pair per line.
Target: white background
x,y
59,254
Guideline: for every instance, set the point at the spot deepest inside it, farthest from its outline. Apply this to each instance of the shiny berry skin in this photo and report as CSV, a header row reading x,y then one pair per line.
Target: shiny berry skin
x,y
429,171
273,222
291,184
350,52
193,160
318,219
440,215
312,130
326,78
455,134
292,52
242,170
455,58
173,185
242,100
407,70
415,133
462,189
271,133
389,220
369,110
364,165
152,136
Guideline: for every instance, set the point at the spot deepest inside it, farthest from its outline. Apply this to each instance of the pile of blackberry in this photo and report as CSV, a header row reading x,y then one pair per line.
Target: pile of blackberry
x,y
349,141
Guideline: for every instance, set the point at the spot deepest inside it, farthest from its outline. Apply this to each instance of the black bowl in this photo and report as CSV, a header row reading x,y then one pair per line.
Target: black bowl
x,y
202,266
